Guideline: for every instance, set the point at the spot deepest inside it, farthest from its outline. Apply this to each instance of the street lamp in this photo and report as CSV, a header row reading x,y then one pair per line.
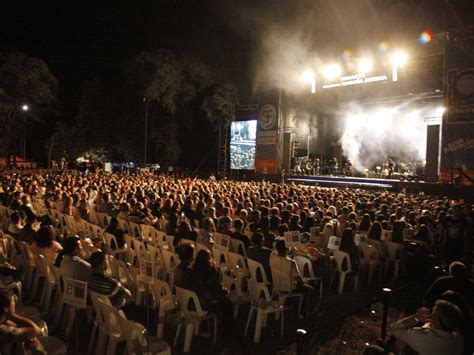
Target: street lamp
x,y
398,59
308,76
25,108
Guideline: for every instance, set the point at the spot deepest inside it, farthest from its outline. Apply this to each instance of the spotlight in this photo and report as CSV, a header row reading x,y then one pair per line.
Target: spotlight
x,y
440,111
25,107
399,58
308,75
365,65
332,71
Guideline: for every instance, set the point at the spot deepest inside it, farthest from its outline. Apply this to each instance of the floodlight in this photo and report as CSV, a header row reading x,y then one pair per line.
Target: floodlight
x,y
440,111
332,71
25,108
308,75
399,58
365,65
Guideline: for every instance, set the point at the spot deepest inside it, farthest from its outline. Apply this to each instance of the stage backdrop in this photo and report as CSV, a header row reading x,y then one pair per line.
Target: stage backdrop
x,y
457,142
267,132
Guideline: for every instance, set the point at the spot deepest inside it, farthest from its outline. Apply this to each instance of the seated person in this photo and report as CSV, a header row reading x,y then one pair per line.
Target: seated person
x,y
206,282
105,285
439,333
184,232
260,253
16,331
239,235
457,281
14,225
70,262
348,246
284,269
117,232
183,273
46,245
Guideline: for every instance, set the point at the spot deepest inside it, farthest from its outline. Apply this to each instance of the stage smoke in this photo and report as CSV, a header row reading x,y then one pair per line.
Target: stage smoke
x,y
370,136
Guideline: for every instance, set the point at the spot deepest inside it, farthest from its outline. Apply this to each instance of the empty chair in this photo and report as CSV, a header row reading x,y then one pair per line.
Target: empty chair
x,y
236,295
306,270
164,301
344,268
369,259
395,252
192,316
263,305
257,272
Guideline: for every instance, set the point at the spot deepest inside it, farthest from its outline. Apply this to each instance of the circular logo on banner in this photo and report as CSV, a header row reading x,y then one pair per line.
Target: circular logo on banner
x,y
267,116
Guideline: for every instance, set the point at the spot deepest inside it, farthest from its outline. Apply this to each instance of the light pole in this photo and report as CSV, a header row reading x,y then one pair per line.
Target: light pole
x,y
308,76
398,59
25,108
146,130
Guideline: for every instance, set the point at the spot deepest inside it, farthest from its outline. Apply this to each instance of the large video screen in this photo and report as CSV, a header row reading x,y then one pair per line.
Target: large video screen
x,y
243,138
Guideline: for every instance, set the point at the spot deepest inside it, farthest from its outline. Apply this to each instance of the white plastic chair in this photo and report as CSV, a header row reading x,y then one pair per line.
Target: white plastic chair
x,y
344,268
170,262
395,252
369,259
238,247
236,295
306,270
192,317
111,241
164,301
111,325
99,327
263,305
256,269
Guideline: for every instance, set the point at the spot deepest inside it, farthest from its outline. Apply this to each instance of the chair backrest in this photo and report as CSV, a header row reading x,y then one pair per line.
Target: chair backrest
x,y
102,219
162,295
170,260
75,293
135,336
135,229
258,291
112,317
257,272
343,261
109,238
305,266
238,247
368,252
238,264
123,224
395,250
189,303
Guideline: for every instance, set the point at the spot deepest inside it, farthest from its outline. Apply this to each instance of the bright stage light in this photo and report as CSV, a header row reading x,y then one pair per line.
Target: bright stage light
x,y
440,111
365,65
399,58
25,107
332,71
308,75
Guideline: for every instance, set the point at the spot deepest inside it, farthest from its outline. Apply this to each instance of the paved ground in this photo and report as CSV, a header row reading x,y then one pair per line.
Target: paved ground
x,y
330,330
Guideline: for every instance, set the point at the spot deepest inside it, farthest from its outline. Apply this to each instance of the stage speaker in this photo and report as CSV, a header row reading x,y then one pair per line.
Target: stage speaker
x,y
432,153
287,149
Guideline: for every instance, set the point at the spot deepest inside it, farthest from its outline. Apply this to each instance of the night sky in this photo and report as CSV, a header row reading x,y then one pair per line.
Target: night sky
x,y
242,41
84,40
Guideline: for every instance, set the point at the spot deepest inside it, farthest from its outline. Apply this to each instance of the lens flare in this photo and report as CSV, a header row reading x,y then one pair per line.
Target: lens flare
x,y
425,37
384,46
346,55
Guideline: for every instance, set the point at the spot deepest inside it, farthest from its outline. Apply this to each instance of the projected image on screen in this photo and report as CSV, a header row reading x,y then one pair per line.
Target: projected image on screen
x,y
243,137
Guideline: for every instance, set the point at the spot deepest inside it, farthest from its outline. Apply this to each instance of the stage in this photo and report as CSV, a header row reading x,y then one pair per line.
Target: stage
x,y
450,190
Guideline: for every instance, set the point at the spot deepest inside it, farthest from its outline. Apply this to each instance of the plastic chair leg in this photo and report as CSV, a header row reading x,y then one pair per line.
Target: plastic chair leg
x,y
342,279
236,310
160,327
71,317
188,337
249,318
282,323
101,343
176,336
258,326
92,339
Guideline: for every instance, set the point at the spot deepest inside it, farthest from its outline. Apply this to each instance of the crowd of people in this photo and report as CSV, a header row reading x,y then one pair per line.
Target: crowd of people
x,y
432,230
